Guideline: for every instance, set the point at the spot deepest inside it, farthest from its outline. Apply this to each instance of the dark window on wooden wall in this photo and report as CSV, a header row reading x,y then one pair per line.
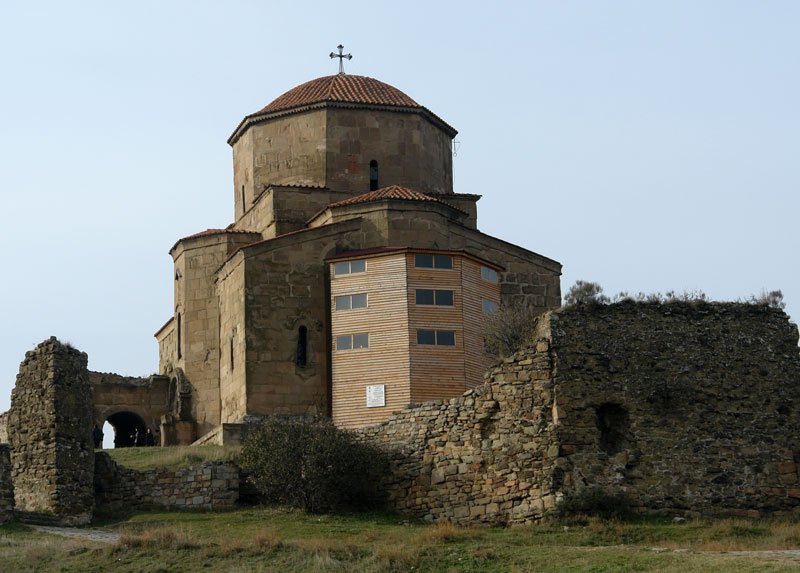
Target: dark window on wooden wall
x,y
302,347
373,175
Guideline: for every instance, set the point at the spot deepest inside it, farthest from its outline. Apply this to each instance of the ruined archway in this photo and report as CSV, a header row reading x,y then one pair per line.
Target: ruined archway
x,y
127,426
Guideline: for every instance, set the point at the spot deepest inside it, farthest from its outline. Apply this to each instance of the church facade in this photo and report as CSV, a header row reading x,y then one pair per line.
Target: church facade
x,y
353,280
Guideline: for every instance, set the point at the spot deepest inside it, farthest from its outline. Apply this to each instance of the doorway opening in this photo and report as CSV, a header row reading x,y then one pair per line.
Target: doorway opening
x,y
128,430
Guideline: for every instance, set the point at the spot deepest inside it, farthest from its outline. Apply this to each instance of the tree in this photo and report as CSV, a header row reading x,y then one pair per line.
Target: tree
x,y
585,292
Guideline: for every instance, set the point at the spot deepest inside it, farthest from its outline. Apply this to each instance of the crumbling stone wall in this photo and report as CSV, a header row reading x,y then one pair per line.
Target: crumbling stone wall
x,y
683,408
211,486
49,426
4,428
6,487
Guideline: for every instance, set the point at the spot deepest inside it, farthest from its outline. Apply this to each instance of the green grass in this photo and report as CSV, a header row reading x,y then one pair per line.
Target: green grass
x,y
278,539
171,457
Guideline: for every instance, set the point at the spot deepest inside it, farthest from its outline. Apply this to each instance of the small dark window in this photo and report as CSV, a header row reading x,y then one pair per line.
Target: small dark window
x,y
433,261
489,306
231,352
423,261
442,262
243,207
179,336
445,338
437,337
437,297
426,337
373,175
424,296
302,347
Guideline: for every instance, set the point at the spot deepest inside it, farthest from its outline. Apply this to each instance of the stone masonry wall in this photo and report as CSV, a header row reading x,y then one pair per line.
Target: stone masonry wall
x,y
4,428
683,408
50,425
487,456
6,487
212,486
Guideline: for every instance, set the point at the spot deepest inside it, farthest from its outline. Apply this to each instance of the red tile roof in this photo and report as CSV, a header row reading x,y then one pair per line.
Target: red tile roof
x,y
216,232
395,192
390,192
341,88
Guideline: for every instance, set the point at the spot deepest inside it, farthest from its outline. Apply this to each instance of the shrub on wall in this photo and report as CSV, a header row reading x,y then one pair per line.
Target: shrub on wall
x,y
312,464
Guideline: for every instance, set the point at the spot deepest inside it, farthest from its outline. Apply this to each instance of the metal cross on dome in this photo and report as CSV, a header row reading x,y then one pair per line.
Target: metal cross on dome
x,y
341,57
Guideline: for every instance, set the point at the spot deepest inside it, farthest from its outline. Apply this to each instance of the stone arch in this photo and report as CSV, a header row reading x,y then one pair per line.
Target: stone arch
x,y
127,425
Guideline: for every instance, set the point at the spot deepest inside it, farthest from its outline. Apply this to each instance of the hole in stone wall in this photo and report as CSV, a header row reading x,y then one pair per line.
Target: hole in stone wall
x,y
127,427
614,425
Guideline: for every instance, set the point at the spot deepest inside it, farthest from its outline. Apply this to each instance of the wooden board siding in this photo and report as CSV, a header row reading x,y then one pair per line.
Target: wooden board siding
x,y
475,290
386,360
437,372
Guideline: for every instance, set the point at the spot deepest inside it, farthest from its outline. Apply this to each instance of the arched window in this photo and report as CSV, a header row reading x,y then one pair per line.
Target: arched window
x,y
179,336
302,347
373,175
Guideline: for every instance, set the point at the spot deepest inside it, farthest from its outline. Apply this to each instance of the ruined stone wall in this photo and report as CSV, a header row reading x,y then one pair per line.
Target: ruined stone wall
x,y
4,428
50,425
682,408
6,486
145,397
487,456
211,486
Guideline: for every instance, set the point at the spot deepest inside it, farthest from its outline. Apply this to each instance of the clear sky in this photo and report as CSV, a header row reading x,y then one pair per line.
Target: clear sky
x,y
647,146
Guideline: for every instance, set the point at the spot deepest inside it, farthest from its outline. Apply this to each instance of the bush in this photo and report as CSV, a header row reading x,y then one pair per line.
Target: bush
x,y
595,502
772,298
585,292
312,464
508,329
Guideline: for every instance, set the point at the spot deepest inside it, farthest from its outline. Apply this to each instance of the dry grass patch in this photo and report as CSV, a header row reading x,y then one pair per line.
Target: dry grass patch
x,y
167,537
445,532
737,534
172,456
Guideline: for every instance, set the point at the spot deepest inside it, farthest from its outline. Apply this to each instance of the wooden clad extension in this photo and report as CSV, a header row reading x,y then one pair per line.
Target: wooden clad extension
x,y
437,371
410,372
386,360
476,290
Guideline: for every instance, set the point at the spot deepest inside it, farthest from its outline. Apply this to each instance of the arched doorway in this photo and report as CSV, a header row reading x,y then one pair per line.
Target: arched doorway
x,y
127,426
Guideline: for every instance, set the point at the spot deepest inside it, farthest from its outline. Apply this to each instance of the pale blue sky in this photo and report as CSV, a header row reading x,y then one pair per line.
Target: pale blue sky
x,y
648,146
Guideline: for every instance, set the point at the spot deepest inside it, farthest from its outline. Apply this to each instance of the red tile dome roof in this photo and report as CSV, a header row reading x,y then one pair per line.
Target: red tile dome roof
x,y
343,88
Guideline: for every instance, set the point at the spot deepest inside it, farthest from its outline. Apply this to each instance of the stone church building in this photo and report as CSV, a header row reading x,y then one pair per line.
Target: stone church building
x,y
353,280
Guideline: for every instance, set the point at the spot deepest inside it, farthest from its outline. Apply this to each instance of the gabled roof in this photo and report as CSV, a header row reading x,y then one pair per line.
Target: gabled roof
x,y
392,192
210,232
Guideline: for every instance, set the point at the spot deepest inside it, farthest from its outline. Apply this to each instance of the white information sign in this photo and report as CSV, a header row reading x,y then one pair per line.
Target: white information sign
x,y
376,395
